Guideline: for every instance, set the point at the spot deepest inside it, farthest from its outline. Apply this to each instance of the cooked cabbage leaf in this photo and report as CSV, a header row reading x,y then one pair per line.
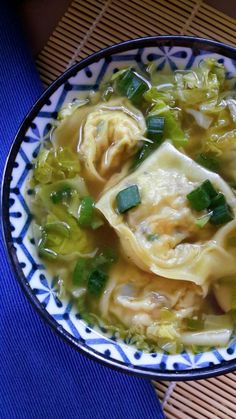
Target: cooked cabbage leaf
x,y
55,164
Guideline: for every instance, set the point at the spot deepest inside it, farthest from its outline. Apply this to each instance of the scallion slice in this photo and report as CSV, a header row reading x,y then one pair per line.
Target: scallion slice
x,y
221,215
208,161
202,221
86,211
128,198
209,188
199,199
96,282
218,200
80,272
131,85
155,128
140,156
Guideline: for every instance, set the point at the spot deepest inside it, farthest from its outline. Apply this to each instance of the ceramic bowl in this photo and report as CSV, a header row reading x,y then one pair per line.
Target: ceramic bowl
x,y
167,52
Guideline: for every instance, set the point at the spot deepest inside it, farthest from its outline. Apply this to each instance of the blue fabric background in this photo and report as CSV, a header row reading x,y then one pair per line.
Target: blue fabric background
x,y
40,375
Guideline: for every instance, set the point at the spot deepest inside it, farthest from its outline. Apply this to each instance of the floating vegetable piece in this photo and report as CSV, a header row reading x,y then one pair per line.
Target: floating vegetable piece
x,y
209,188
86,211
61,194
221,215
58,227
81,272
172,128
96,282
218,200
199,199
92,272
208,161
56,164
155,128
131,85
194,324
202,221
128,198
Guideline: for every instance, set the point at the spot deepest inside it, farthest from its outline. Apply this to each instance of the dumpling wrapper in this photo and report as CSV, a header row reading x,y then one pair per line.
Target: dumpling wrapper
x,y
160,235
137,298
111,135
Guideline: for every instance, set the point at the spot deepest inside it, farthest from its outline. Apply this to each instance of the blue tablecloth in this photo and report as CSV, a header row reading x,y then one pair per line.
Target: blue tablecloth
x,y
40,375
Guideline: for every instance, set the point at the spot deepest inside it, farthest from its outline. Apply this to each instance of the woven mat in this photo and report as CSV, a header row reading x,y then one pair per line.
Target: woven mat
x,y
86,27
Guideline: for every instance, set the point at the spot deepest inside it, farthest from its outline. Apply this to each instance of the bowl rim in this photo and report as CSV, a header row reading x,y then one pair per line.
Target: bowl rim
x,y
164,41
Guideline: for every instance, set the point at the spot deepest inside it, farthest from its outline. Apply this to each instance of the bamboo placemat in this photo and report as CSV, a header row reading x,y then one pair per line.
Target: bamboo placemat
x,y
86,27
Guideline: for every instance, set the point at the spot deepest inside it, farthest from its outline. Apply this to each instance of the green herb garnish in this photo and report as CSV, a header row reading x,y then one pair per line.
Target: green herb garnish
x,y
128,198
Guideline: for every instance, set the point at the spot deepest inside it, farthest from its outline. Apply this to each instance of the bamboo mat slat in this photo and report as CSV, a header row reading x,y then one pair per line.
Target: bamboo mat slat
x,y
212,398
90,25
86,27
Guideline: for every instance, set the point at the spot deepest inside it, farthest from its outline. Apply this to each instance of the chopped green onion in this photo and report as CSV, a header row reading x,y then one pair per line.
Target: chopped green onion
x,y
209,188
207,161
96,282
218,200
221,215
92,272
80,272
118,73
128,198
155,127
205,196
86,211
199,199
172,128
202,221
131,85
62,194
141,155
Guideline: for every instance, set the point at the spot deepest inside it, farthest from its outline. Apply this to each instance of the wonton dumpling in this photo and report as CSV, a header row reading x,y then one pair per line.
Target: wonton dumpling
x,y
137,298
160,234
111,135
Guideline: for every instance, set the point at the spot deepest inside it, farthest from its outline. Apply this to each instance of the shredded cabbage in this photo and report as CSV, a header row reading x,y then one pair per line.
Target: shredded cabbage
x,y
214,337
56,164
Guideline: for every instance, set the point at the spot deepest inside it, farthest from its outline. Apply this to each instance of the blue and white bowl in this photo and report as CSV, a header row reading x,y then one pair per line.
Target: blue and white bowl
x,y
167,52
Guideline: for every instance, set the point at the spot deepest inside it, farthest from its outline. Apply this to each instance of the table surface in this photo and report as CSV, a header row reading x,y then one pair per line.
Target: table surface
x,y
39,17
